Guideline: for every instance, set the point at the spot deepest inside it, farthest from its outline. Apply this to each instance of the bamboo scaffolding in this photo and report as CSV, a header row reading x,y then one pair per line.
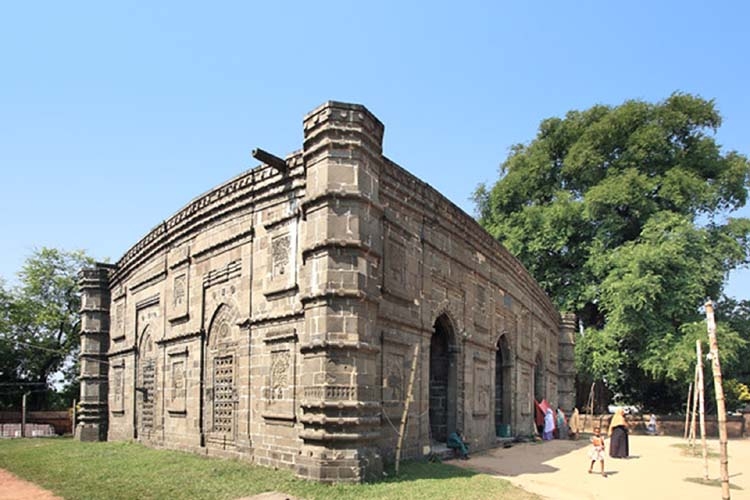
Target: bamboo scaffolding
x,y
687,411
407,402
721,409
701,407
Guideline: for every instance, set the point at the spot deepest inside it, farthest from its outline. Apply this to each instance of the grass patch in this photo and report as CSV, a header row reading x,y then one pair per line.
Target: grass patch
x,y
710,482
125,470
696,451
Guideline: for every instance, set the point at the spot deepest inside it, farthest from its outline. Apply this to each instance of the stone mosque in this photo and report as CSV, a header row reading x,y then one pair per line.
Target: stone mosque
x,y
320,312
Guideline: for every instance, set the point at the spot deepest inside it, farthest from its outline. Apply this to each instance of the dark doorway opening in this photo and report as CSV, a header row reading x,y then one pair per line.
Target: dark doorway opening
x,y
502,388
443,383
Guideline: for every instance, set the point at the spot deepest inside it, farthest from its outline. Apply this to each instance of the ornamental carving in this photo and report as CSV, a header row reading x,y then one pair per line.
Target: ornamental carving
x,y
280,363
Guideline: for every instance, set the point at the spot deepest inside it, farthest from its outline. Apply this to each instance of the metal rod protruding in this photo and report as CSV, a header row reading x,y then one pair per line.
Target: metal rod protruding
x,y
269,159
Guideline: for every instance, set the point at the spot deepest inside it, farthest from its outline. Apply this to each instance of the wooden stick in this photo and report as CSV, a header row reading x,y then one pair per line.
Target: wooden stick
x,y
699,354
721,409
687,410
590,408
695,409
407,401
23,414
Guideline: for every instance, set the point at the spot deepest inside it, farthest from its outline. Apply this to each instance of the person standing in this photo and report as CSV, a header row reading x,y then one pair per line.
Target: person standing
x,y
618,433
596,454
651,427
574,424
562,424
549,424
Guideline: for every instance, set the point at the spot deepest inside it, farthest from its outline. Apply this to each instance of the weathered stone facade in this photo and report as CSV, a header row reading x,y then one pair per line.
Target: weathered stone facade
x,y
281,317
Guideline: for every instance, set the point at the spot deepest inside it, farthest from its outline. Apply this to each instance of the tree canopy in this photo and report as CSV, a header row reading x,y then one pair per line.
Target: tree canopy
x,y
623,215
39,326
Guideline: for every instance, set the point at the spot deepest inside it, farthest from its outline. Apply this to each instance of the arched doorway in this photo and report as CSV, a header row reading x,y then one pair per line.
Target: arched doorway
x,y
502,387
443,383
221,377
145,387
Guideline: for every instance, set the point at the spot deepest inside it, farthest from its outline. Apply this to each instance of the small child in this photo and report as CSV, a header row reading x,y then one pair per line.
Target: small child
x,y
597,450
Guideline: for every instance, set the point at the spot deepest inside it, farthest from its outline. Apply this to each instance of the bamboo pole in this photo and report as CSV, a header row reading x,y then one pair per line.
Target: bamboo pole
x,y
407,402
74,415
721,409
687,410
23,414
701,407
590,408
695,410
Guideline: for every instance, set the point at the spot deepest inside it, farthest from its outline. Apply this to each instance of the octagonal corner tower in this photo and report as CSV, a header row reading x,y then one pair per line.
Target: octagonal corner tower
x,y
296,314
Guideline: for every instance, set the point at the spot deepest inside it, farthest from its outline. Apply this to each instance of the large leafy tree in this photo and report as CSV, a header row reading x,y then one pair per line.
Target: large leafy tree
x,y
622,214
39,326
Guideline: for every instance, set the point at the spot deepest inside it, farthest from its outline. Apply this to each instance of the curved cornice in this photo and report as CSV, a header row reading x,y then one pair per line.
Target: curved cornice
x,y
474,234
247,188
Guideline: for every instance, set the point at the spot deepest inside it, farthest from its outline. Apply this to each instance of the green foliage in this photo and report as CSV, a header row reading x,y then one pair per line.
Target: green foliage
x,y
76,470
736,315
39,328
736,393
620,213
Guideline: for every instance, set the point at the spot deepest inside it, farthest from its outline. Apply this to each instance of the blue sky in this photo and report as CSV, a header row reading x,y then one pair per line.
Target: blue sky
x,y
113,115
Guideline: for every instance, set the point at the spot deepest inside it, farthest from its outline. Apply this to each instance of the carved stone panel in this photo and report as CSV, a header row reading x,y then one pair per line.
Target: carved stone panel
x,y
481,388
118,388
177,392
525,390
281,364
281,272
280,250
394,376
178,303
118,323
279,385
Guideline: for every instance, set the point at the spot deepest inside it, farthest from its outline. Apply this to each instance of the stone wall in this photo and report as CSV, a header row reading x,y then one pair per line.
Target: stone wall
x,y
284,316
669,425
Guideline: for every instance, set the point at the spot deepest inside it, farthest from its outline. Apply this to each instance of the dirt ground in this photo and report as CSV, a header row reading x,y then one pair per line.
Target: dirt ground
x,y
15,488
655,469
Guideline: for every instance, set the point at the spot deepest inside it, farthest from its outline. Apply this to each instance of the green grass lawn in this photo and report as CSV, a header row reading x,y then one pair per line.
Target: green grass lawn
x,y
124,470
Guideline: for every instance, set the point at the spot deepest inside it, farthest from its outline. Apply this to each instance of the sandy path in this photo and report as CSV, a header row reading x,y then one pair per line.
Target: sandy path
x,y
15,488
656,469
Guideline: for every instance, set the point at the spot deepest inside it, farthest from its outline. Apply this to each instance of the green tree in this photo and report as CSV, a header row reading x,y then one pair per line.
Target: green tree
x,y
736,315
622,215
39,329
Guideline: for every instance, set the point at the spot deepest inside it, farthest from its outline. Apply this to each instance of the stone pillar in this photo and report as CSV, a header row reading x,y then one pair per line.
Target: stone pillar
x,y
95,298
566,386
342,249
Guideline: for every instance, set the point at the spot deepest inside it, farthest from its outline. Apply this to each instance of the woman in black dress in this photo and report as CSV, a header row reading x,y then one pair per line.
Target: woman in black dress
x,y
618,434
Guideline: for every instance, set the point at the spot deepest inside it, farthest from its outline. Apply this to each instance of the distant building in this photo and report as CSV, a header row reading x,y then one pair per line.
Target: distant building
x,y
286,316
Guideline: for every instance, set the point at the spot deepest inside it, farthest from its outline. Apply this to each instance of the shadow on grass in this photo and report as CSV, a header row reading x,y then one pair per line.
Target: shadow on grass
x,y
413,470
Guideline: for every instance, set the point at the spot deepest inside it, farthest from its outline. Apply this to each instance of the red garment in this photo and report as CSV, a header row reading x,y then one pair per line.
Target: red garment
x,y
538,414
